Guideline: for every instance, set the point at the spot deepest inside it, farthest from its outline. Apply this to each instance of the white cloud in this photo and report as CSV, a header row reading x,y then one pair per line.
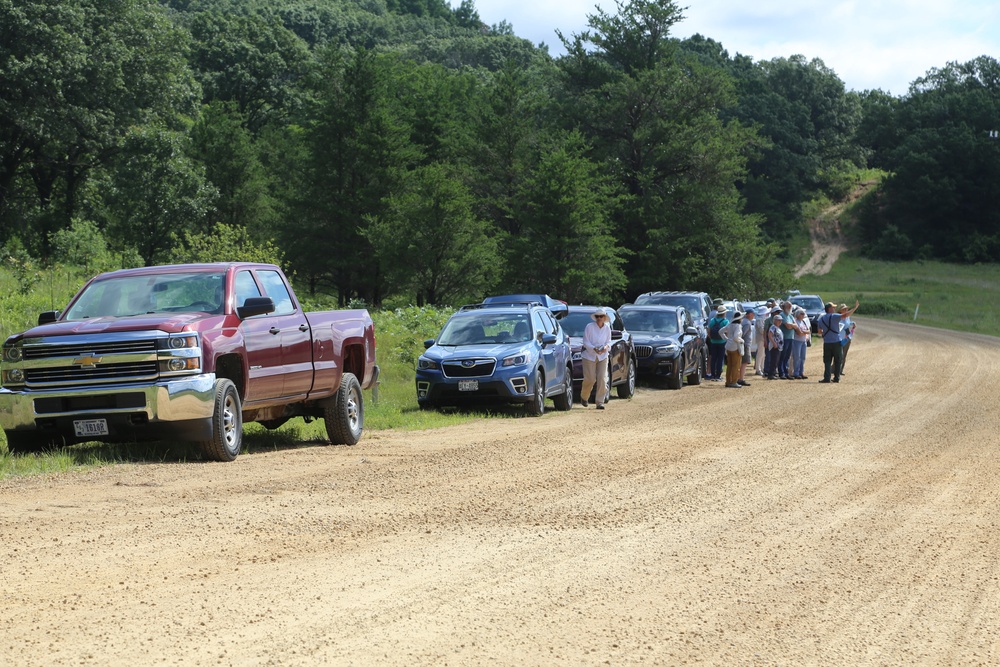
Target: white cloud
x,y
876,44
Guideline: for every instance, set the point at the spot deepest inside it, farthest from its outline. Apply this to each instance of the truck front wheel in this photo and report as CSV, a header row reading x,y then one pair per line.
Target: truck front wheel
x,y
227,424
344,413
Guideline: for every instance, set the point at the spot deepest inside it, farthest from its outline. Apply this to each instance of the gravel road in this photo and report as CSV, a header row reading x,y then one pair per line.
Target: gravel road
x,y
787,523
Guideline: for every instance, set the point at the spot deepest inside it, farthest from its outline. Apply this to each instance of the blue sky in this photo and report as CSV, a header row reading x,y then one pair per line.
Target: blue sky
x,y
875,44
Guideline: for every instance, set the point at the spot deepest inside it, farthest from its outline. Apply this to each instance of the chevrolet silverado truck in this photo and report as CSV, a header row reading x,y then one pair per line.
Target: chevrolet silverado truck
x,y
187,352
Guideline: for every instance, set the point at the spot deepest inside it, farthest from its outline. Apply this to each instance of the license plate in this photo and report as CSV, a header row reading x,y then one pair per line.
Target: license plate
x,y
90,427
468,385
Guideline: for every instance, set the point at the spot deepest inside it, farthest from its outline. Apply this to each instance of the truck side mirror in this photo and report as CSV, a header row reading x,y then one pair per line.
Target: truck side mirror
x,y
48,317
255,305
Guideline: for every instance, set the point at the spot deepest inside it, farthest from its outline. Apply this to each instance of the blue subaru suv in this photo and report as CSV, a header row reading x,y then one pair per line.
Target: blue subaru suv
x,y
498,352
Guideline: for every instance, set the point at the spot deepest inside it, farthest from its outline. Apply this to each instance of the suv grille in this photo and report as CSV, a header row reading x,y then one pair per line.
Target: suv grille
x,y
643,351
463,369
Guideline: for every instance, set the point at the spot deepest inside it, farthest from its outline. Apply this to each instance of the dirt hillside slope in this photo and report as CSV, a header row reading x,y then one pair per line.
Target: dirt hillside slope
x,y
787,523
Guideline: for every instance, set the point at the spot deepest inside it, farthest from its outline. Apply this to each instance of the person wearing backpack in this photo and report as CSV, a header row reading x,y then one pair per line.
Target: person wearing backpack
x,y
716,343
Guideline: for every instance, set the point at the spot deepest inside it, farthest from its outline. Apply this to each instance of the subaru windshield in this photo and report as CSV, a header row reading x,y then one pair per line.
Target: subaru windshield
x,y
124,296
486,328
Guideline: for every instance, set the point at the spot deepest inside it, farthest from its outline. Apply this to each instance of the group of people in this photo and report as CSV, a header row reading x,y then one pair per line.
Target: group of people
x,y
775,340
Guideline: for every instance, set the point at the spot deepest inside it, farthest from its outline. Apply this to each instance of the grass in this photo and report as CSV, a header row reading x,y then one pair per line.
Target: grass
x,y
950,296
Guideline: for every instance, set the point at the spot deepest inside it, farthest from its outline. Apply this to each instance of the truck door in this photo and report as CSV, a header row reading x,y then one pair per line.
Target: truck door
x,y
293,333
264,370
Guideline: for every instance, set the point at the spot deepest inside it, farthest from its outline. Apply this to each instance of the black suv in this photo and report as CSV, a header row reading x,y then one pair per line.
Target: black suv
x,y
667,342
621,361
698,304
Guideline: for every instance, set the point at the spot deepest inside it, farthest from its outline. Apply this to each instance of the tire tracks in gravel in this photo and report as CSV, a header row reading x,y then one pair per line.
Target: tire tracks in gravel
x,y
786,523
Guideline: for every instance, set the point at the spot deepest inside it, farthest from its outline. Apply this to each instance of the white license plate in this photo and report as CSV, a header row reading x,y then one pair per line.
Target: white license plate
x,y
468,385
90,427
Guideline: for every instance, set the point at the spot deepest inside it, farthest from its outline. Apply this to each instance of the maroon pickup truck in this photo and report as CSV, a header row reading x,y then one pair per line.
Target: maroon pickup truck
x,y
189,352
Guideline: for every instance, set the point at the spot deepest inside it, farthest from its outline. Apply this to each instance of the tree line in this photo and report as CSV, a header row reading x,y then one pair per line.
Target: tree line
x,y
401,149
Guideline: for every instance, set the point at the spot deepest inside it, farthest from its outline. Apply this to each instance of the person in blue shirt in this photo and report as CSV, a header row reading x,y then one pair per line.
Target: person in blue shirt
x,y
829,326
846,333
716,343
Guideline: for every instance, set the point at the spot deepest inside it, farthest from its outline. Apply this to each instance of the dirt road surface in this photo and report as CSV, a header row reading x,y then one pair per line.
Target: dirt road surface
x,y
788,523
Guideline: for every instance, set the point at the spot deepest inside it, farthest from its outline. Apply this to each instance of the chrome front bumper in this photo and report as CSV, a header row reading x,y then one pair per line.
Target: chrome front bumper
x,y
181,399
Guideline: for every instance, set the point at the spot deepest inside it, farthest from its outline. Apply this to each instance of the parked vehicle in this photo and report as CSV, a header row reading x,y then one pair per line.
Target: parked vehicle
x,y
697,304
813,306
667,343
559,309
621,361
503,352
189,352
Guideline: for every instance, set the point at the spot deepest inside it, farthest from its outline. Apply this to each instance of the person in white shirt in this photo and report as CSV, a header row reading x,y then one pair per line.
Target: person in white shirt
x,y
733,335
846,333
802,332
596,348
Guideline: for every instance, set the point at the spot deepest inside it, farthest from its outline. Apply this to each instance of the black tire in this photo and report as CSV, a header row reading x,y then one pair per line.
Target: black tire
x,y
627,388
564,401
695,378
344,413
536,406
674,380
227,424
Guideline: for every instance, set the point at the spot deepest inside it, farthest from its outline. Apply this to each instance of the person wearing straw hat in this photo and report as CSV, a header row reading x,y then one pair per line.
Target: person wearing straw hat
x,y
733,333
775,341
596,348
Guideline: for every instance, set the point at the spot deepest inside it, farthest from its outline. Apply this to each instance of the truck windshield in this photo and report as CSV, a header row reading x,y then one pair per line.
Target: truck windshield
x,y
124,296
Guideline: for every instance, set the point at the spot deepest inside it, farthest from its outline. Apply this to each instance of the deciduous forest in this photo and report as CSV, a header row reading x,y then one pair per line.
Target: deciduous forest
x,y
401,151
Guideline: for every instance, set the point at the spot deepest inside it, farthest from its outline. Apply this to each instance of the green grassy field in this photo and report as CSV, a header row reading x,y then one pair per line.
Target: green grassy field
x,y
949,296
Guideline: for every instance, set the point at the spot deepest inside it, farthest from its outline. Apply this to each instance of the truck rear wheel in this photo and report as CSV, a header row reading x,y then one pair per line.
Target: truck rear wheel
x,y
344,413
227,424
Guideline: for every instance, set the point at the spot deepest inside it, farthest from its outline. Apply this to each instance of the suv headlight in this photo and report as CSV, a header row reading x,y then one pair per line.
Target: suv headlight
x,y
515,360
425,364
671,349
577,356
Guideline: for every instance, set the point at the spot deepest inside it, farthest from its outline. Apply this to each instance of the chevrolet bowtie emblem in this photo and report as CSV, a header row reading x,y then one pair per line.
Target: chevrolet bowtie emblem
x,y
87,361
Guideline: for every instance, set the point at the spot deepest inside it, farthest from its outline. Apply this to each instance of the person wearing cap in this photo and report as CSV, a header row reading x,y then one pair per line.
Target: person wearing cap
x,y
775,341
716,343
846,332
596,348
803,329
733,333
829,326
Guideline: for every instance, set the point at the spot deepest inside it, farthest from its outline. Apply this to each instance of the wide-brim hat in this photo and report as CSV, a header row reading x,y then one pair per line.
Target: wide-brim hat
x,y
779,318
737,316
775,310
721,310
831,304
842,306
597,313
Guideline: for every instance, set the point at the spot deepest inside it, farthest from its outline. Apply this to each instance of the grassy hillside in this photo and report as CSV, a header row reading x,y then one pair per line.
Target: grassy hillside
x,y
950,296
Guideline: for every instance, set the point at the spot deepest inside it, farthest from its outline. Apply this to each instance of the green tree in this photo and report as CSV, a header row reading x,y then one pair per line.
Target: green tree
x,y
225,243
75,75
358,149
229,155
432,243
155,194
566,246
652,114
943,192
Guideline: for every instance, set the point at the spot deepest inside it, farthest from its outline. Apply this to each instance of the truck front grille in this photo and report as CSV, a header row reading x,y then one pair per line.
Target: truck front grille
x,y
64,375
48,351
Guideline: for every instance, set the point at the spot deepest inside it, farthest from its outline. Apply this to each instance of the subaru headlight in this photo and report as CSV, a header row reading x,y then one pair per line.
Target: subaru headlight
x,y
671,349
425,364
515,360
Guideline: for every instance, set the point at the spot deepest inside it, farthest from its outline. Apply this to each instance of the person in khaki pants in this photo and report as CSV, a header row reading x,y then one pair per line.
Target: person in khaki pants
x,y
596,348
733,333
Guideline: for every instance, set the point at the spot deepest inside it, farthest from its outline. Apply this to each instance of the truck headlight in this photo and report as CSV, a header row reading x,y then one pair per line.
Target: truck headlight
x,y
13,376
12,354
